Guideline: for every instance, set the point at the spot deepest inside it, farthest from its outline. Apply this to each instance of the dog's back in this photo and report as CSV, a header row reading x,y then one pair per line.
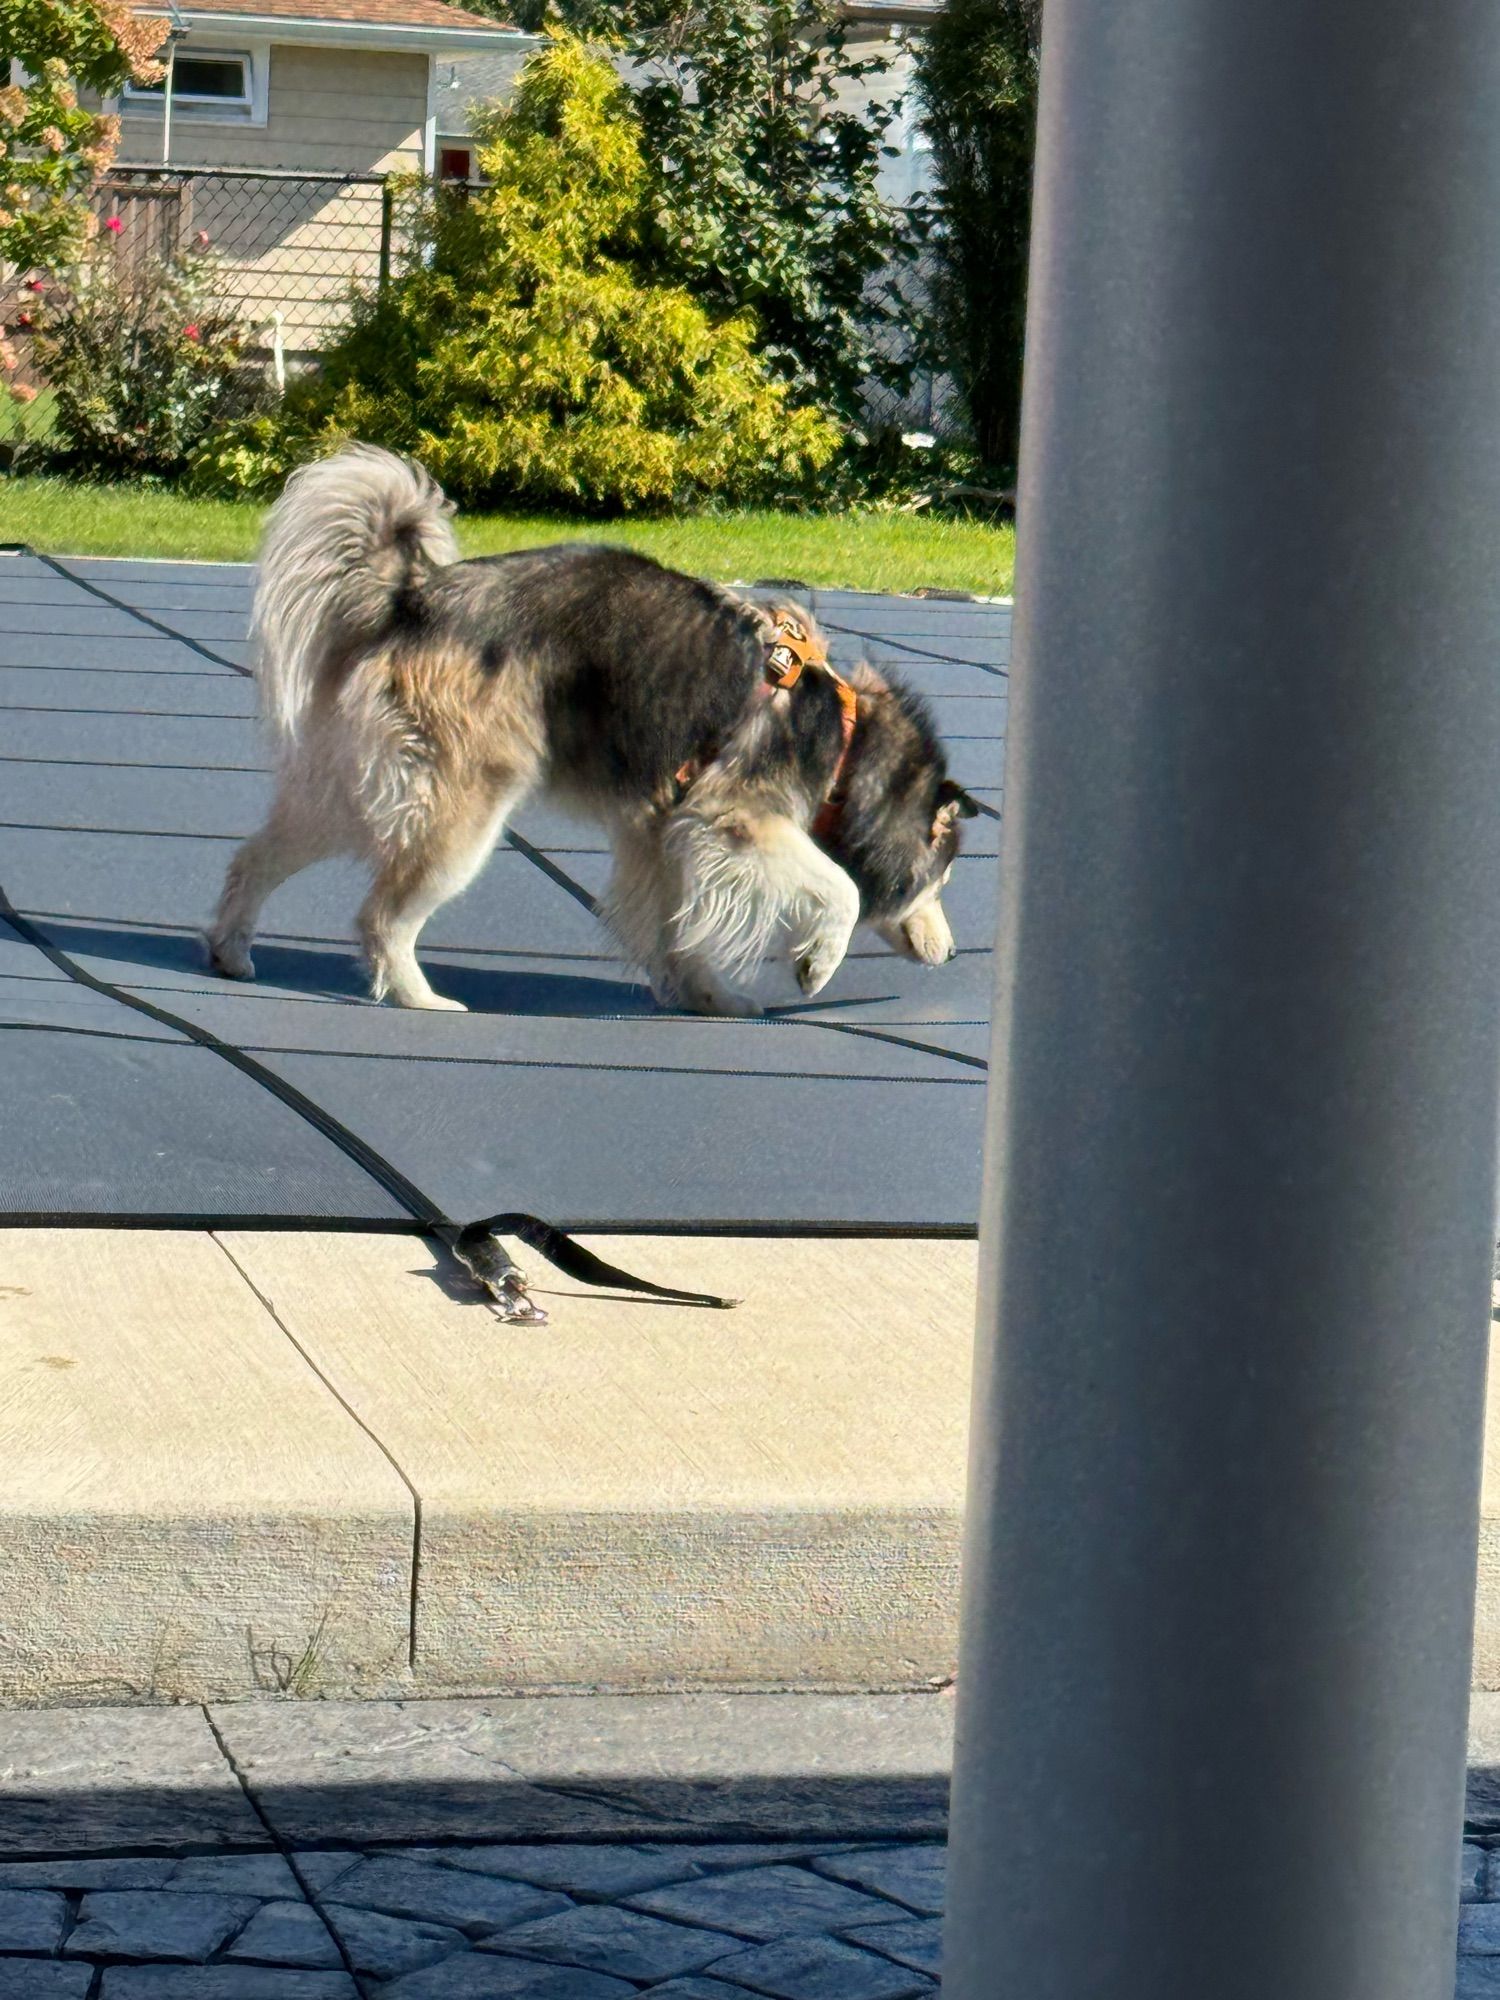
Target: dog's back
x,y
637,668
629,668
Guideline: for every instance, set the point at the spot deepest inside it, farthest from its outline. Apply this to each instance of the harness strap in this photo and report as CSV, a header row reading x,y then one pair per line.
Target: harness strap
x,y
827,819
793,651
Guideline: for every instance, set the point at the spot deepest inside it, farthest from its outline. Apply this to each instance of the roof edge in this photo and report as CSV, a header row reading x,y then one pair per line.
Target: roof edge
x,y
330,31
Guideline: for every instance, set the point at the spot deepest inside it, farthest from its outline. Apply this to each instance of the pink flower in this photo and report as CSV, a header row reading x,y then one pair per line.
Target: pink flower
x,y
35,285
202,239
190,331
23,392
23,319
114,225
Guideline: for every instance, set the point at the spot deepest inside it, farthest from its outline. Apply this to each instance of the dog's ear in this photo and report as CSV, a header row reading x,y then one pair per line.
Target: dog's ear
x,y
953,802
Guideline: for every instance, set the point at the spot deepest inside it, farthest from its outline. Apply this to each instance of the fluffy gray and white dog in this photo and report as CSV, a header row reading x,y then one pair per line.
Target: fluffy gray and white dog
x,y
417,700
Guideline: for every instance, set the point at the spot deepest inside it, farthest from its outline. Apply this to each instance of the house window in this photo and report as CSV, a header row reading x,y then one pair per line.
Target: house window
x,y
907,135
453,163
220,81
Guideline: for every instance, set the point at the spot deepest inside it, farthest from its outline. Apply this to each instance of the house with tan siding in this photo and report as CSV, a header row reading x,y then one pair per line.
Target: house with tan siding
x,y
462,84
272,134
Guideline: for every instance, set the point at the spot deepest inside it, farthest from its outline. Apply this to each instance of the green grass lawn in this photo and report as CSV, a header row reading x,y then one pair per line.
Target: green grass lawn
x,y
860,550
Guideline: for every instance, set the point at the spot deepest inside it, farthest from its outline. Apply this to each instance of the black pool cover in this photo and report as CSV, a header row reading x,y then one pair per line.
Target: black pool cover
x,y
131,760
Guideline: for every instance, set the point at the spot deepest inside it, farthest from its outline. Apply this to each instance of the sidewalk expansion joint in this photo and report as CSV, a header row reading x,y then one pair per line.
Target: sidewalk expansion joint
x,y
379,1443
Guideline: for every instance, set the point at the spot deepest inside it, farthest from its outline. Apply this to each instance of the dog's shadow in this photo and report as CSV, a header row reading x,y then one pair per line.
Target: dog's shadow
x,y
319,971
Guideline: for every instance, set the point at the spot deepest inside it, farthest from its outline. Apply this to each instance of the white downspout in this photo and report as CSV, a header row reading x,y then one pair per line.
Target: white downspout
x,y
429,130
166,100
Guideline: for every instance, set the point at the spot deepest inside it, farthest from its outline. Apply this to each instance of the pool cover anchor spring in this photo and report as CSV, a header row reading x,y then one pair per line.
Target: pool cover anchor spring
x,y
478,1248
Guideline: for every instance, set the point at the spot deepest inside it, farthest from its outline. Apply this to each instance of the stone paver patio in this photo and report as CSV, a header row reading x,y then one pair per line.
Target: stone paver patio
x,y
243,1853
426,1923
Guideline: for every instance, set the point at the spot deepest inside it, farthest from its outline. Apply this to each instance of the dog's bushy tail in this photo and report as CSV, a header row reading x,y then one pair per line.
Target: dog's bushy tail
x,y
349,537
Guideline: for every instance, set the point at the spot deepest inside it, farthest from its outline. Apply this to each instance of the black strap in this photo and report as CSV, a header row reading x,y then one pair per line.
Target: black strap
x,y
134,611
478,1249
474,1244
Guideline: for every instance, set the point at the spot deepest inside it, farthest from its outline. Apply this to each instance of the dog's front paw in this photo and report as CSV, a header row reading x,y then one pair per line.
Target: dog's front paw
x,y
816,967
705,996
694,986
404,993
736,1006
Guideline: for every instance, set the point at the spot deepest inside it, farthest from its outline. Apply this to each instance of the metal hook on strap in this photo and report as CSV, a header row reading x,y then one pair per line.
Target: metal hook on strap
x,y
478,1248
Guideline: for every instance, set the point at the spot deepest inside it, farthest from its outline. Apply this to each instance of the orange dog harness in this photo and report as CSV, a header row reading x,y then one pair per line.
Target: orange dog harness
x,y
792,652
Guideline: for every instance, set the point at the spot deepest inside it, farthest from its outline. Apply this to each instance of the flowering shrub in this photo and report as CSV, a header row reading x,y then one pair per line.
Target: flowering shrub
x,y
50,147
142,364
530,353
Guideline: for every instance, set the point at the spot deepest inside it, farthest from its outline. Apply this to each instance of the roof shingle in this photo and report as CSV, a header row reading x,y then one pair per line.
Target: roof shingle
x,y
344,13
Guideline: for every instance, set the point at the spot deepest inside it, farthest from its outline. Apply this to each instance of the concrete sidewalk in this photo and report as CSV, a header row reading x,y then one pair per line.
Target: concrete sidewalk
x,y
311,1464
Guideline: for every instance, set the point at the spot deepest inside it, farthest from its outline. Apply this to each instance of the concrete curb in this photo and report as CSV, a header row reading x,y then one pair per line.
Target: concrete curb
x,y
299,1463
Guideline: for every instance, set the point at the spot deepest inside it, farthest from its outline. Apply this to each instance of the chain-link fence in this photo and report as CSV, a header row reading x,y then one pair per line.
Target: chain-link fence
x,y
291,249
292,246
905,391
296,244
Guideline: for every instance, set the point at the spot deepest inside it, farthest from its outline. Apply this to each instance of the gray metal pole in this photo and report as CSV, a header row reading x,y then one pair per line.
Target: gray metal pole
x,y
1241,1182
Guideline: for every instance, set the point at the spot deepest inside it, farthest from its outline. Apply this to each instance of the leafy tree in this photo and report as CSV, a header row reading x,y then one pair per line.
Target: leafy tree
x,y
50,147
977,75
764,189
767,195
525,355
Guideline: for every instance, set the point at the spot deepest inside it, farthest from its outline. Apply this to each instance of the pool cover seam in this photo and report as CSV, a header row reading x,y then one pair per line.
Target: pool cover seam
x,y
272,1050
136,673
775,1229
150,714
144,617
375,1165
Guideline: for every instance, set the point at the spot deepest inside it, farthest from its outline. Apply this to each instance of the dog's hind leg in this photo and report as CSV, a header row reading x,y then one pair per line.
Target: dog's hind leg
x,y
292,839
411,882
